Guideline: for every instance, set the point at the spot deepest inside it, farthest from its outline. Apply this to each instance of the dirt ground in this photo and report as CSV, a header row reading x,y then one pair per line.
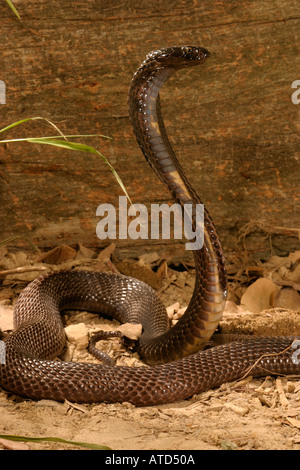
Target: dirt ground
x,y
248,414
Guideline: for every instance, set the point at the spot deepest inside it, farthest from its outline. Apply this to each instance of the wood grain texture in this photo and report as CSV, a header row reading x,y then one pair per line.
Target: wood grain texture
x,y
232,121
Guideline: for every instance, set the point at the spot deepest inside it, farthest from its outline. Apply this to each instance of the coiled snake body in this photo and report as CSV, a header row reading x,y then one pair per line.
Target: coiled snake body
x,y
184,368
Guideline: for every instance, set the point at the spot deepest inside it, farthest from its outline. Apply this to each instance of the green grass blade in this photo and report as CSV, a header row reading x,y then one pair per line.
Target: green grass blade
x,y
72,136
63,144
14,124
81,148
120,182
61,134
11,5
8,240
16,438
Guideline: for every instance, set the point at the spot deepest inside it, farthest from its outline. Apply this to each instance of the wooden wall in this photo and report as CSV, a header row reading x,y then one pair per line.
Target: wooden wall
x,y
232,121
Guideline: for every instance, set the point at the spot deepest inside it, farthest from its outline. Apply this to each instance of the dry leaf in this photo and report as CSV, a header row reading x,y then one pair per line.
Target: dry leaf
x,y
172,309
260,295
78,335
106,253
6,318
58,255
131,330
84,253
294,422
287,298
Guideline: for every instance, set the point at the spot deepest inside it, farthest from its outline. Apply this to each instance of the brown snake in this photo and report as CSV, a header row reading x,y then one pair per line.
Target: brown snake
x,y
184,368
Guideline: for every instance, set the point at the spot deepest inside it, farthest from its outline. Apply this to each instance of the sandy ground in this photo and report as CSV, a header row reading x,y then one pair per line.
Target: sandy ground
x,y
249,414
246,416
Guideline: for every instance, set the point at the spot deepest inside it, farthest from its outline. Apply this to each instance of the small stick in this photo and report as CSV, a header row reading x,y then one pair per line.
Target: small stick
x,y
22,269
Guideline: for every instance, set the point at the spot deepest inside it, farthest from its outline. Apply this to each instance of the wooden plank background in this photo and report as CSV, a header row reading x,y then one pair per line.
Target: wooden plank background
x,y
232,121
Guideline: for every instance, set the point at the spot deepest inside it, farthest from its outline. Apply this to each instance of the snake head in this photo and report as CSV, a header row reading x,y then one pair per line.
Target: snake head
x,y
189,54
178,57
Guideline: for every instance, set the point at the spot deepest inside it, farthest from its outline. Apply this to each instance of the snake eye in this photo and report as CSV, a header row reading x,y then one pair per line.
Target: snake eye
x,y
188,52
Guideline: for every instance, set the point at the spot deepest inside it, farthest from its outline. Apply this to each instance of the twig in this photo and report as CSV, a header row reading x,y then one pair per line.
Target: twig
x,y
111,266
287,229
256,363
22,269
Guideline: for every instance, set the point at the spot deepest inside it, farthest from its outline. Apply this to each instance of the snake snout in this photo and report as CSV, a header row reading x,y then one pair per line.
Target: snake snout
x,y
194,54
177,57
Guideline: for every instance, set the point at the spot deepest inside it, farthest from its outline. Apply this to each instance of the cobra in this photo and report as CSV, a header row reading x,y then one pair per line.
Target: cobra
x,y
180,365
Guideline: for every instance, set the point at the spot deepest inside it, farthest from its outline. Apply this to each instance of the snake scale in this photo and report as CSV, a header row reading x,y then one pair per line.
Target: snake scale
x,y
180,364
